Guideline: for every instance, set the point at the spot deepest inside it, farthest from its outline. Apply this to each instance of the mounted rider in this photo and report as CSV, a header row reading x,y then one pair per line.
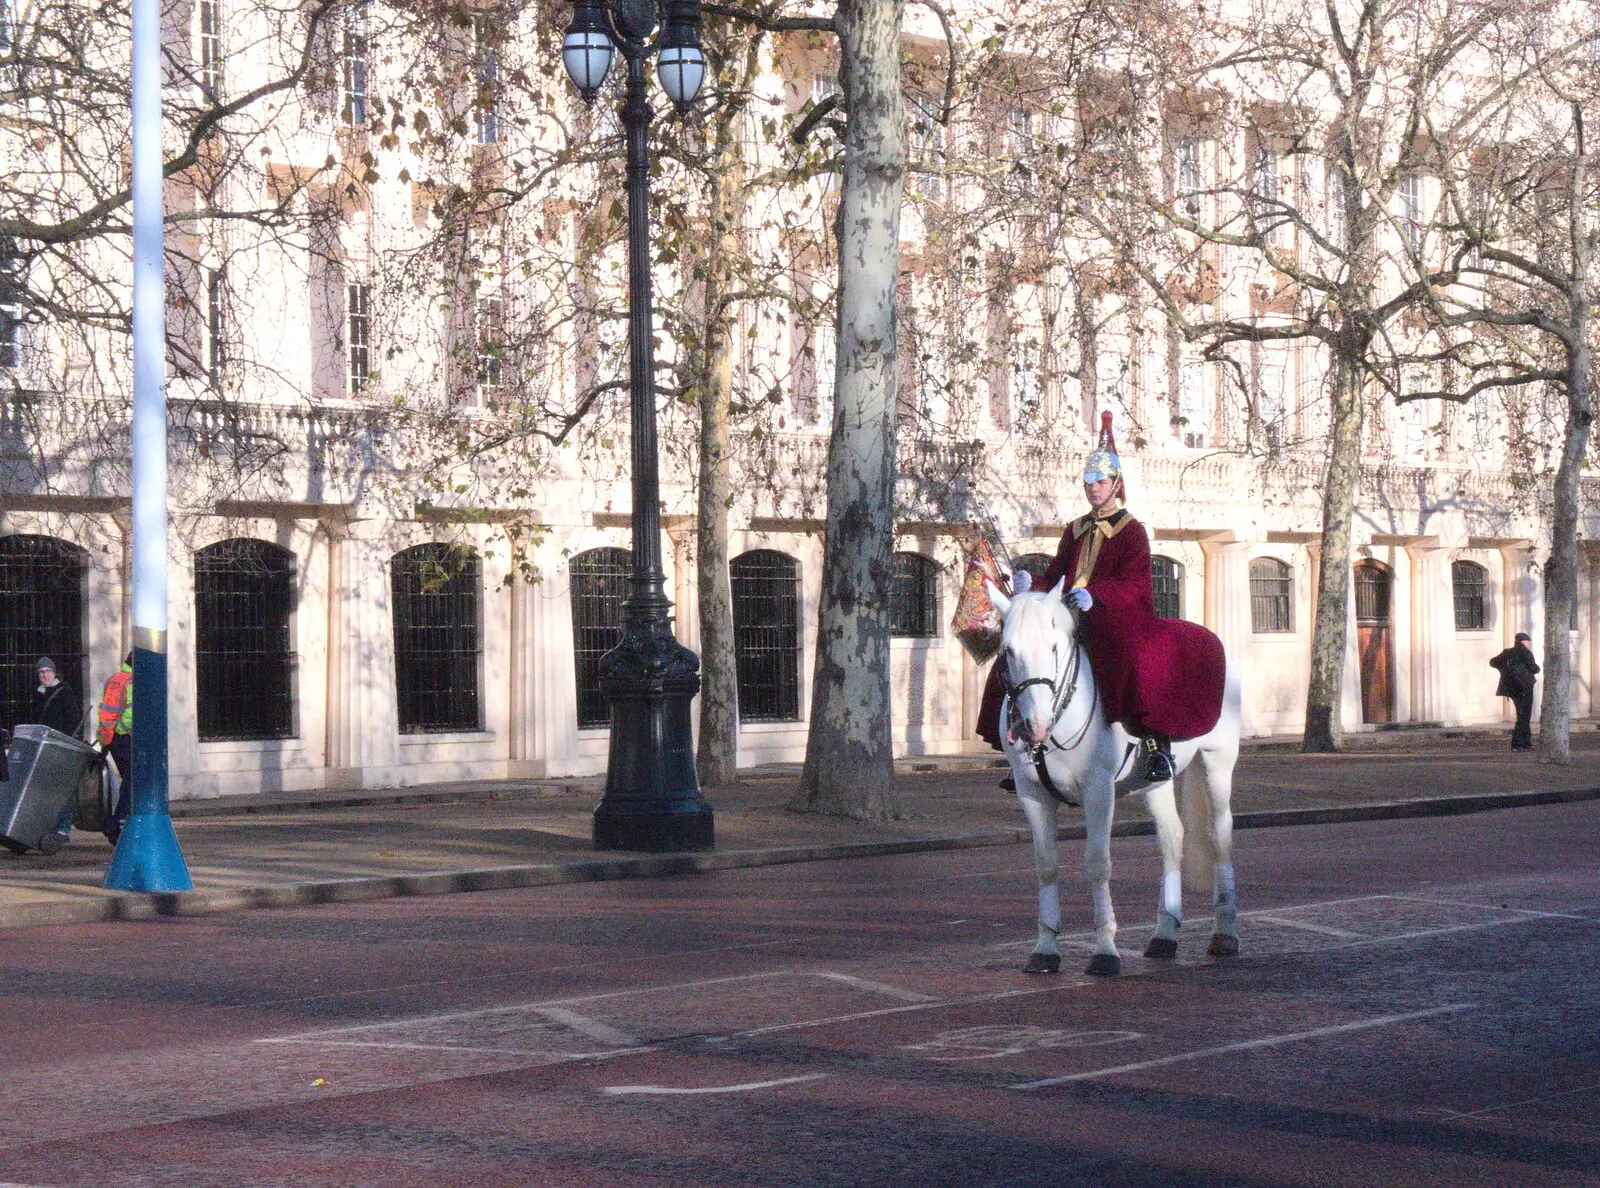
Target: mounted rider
x,y
1161,678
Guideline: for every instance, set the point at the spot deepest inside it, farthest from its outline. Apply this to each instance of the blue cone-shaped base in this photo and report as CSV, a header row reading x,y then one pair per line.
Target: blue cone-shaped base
x,y
147,857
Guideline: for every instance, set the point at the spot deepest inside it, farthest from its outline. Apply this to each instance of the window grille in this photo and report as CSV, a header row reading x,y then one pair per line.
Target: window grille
x,y
1166,580
491,319
1271,596
487,63
914,598
41,614
353,57
11,337
599,587
1372,594
216,325
1467,588
1190,178
211,50
437,590
766,635
360,329
244,666
1411,211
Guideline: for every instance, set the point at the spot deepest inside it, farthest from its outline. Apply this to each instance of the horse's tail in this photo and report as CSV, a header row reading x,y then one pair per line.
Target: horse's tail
x,y
1199,842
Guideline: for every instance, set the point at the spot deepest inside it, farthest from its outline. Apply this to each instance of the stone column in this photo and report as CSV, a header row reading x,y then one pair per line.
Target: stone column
x,y
1227,607
362,726
1432,604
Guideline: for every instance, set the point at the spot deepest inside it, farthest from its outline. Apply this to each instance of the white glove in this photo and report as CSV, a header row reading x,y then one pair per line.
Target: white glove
x,y
1080,598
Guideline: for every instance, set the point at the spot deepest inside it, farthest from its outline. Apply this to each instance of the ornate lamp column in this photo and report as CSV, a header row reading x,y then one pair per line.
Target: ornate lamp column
x,y
652,799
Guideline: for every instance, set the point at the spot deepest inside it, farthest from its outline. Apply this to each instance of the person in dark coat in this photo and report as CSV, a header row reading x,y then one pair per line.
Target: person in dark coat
x,y
56,705
1518,669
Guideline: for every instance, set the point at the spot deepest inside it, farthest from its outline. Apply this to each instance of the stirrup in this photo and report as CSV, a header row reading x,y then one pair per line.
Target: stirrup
x,y
1158,765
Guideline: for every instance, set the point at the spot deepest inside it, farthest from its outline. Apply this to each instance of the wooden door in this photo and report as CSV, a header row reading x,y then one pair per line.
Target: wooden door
x,y
1374,643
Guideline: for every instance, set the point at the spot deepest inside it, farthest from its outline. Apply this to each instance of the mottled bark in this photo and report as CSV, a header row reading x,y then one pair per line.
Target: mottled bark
x,y
849,768
718,754
1329,633
1561,570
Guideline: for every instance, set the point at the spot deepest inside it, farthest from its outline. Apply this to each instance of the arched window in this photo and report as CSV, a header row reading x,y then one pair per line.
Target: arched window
x,y
599,586
437,594
41,614
766,635
1271,596
244,668
1166,580
914,600
1467,585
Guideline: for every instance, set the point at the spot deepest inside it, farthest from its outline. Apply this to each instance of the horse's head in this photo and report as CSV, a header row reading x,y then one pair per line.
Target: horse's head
x,y
1037,643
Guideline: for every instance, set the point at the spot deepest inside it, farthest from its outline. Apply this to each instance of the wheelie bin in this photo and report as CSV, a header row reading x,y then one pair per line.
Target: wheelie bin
x,y
44,769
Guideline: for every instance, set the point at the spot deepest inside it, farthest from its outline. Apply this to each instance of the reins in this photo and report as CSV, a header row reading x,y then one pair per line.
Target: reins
x,y
1062,691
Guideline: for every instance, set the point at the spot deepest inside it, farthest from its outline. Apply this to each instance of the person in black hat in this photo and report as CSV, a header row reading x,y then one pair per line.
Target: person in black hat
x,y
1518,669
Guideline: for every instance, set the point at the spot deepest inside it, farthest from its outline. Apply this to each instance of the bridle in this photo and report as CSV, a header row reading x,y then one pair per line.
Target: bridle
x,y
1062,689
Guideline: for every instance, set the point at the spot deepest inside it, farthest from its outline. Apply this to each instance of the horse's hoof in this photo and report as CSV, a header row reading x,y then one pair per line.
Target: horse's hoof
x,y
1043,963
1161,948
1104,965
1223,945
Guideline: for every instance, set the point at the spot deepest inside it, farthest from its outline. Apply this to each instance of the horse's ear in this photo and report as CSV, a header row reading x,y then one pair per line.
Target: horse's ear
x,y
1059,591
1001,602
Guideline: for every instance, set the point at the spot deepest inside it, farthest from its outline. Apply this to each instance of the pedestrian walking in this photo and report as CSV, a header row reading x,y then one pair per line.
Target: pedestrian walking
x,y
1518,669
56,705
116,732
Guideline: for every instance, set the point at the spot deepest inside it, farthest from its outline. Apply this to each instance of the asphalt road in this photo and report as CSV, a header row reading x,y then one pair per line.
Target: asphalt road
x,y
1416,1003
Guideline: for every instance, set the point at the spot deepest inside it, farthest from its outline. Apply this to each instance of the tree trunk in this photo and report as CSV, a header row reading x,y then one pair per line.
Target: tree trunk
x,y
849,768
1329,639
717,758
1561,570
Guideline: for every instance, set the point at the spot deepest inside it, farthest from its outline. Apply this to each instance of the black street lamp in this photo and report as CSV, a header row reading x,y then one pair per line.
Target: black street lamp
x,y
652,799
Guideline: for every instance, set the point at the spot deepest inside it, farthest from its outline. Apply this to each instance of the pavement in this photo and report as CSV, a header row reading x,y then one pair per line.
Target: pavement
x,y
305,849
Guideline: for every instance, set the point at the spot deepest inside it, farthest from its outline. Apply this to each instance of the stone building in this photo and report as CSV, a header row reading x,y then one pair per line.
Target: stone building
x,y
339,620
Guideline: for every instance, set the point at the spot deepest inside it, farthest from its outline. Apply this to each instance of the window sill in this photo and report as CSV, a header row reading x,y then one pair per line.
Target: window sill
x,y
446,736
251,745
917,643
772,727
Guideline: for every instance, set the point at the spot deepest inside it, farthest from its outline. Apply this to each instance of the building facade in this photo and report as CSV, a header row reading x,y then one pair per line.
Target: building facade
x,y
357,602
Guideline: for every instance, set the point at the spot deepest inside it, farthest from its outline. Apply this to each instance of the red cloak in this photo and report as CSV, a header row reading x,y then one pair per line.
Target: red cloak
x,y
1162,675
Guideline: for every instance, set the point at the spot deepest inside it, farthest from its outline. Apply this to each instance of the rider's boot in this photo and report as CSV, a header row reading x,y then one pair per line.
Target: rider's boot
x,y
1158,764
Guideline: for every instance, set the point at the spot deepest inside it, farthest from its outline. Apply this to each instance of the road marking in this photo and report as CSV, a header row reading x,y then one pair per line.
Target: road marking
x,y
670,1091
483,1012
405,1046
599,1032
1270,1041
1510,1105
1310,927
992,1042
920,1006
877,987
1485,907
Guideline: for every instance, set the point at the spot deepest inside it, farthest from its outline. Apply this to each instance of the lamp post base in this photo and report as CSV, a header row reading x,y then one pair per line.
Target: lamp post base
x,y
147,857
654,828
652,801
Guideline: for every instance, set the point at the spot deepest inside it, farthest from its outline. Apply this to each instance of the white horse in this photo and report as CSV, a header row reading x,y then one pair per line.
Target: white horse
x,y
1052,725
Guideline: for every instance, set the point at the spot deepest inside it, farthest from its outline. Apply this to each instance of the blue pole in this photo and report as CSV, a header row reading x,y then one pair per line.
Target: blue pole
x,y
147,857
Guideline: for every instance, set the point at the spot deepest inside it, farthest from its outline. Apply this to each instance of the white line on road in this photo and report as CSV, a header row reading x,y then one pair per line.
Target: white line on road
x,y
1510,1105
669,1091
1270,1041
1492,907
883,988
1310,927
600,1032
482,1012
920,1006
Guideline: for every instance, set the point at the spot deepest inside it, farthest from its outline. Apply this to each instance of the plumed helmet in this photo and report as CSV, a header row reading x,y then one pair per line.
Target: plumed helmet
x,y
1102,461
